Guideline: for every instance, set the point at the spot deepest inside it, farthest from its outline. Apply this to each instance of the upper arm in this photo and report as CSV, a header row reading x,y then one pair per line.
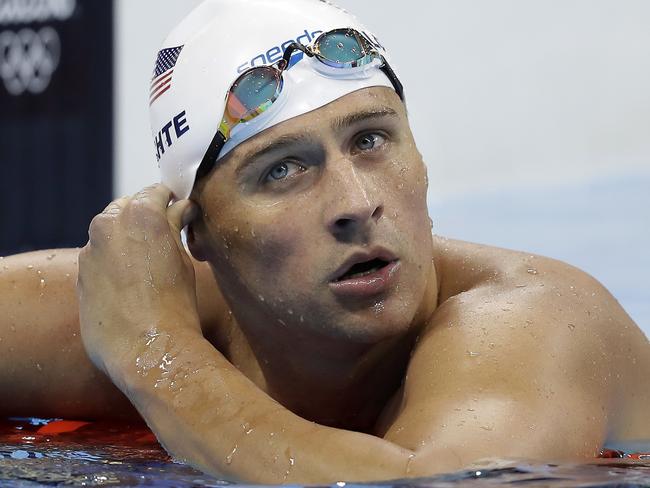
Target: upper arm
x,y
519,365
44,367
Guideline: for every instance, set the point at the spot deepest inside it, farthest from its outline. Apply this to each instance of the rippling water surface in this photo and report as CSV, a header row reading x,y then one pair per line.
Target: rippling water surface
x,y
101,455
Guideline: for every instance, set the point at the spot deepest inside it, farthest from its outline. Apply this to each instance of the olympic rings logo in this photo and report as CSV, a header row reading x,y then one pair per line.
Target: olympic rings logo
x,y
28,59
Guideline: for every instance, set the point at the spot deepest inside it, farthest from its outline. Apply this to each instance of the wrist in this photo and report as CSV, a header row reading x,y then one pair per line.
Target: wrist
x,y
146,359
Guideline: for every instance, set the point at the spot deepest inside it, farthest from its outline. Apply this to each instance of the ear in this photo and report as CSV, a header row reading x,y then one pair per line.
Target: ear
x,y
195,243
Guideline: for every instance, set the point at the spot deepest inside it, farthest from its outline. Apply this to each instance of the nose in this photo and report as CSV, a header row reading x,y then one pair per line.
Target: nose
x,y
355,207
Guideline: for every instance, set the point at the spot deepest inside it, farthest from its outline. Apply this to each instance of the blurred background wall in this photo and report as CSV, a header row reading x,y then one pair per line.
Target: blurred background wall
x,y
533,116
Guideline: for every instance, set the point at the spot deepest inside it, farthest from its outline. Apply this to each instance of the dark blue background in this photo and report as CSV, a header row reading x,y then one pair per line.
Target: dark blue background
x,y
56,148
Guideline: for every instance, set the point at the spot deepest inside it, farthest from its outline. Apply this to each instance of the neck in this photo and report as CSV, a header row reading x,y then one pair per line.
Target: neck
x,y
331,381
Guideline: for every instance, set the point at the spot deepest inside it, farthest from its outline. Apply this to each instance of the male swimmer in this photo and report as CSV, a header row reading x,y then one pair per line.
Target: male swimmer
x,y
321,332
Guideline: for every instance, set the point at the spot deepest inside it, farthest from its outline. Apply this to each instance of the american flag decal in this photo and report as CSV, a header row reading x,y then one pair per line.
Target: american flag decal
x,y
162,75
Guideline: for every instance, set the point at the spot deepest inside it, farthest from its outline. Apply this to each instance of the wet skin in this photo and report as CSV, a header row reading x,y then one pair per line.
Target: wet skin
x,y
463,352
278,225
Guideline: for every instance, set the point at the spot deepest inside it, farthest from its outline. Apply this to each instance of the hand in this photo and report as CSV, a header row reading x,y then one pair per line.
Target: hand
x,y
135,275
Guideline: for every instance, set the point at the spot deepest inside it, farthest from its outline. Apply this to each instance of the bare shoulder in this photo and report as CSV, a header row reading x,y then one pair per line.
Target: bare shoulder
x,y
525,342
464,265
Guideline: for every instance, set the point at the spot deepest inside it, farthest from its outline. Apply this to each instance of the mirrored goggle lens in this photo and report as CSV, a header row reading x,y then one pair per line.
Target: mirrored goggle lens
x,y
253,92
342,47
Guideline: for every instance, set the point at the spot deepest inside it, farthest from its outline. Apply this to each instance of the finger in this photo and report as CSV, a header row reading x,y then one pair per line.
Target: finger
x,y
159,195
181,214
116,206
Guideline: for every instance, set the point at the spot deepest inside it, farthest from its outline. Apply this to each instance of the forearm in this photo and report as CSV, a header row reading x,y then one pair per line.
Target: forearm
x,y
205,411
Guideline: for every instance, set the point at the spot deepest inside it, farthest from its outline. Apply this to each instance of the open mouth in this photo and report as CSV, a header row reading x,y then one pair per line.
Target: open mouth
x,y
359,270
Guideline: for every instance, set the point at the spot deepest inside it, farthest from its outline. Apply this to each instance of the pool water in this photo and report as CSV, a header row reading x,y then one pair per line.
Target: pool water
x,y
42,453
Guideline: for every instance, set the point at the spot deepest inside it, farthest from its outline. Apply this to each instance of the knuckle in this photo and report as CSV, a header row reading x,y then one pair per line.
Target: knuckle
x,y
100,227
143,208
146,216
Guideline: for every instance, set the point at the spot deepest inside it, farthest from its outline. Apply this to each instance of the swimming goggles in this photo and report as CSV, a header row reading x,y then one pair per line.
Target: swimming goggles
x,y
257,88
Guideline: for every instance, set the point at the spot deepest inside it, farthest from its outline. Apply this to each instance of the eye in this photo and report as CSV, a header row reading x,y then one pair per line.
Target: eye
x,y
369,141
282,171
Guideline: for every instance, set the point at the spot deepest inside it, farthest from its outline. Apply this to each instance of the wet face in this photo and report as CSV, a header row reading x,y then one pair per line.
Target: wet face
x,y
320,223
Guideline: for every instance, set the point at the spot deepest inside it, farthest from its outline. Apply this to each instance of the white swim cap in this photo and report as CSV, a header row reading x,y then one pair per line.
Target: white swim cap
x,y
204,55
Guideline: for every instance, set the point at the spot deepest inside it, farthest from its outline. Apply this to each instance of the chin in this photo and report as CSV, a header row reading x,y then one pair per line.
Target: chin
x,y
378,322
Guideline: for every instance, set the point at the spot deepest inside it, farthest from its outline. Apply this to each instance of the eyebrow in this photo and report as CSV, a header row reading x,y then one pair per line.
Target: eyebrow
x,y
338,124
342,123
277,144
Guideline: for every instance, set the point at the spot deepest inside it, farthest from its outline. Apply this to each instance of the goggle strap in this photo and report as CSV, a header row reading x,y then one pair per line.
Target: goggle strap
x,y
388,71
210,157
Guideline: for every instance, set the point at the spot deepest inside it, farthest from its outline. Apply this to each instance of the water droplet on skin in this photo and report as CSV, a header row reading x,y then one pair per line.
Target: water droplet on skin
x,y
410,461
42,284
491,345
13,328
571,326
39,367
486,427
230,456
261,298
532,271
30,267
473,354
51,257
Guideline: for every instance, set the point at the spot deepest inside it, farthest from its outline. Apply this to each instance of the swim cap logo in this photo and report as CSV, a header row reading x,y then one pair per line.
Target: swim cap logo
x,y
275,53
166,137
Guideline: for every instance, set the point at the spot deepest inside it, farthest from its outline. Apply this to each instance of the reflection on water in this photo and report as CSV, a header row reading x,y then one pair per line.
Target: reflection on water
x,y
97,455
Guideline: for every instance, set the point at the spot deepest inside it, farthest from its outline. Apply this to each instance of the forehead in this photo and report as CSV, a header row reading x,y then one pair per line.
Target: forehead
x,y
355,107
